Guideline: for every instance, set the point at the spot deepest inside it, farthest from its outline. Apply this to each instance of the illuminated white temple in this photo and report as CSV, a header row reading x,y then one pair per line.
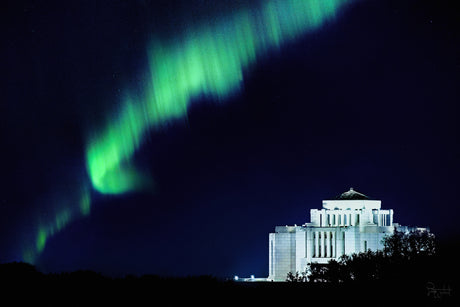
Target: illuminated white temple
x,y
351,223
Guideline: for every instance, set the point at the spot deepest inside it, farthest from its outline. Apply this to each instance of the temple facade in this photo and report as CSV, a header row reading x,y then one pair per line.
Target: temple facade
x,y
350,223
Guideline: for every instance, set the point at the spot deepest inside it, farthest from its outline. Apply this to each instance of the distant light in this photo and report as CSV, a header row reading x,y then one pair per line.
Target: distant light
x,y
235,278
252,276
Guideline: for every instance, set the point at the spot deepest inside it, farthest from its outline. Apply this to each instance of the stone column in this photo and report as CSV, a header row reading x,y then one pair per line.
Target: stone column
x,y
311,245
316,243
339,243
323,244
333,244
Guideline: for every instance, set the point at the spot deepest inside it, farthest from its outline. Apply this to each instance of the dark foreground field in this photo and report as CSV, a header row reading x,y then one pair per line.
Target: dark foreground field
x,y
22,285
420,281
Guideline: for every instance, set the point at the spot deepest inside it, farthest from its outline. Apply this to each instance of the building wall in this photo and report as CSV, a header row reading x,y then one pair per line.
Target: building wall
x,y
292,249
341,227
282,253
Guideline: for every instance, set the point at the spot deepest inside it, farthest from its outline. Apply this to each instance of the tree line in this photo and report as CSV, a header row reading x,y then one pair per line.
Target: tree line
x,y
405,255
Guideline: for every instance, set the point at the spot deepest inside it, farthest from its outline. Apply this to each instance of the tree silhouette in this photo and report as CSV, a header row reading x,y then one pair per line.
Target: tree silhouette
x,y
403,255
302,277
407,245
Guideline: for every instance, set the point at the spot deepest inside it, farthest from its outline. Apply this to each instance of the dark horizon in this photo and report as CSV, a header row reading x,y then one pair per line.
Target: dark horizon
x,y
368,101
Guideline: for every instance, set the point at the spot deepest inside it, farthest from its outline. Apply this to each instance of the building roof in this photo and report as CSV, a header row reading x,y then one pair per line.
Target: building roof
x,y
351,195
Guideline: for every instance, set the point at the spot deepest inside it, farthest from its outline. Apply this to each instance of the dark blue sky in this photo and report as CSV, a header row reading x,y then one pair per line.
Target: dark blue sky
x,y
370,102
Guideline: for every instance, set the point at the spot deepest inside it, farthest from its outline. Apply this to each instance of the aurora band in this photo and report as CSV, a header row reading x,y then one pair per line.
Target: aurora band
x,y
206,60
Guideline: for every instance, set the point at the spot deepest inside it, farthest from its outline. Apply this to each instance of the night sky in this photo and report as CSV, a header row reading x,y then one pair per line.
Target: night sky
x,y
367,100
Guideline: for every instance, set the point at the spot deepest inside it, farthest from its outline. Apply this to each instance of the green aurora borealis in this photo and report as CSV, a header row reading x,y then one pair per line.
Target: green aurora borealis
x,y
209,59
